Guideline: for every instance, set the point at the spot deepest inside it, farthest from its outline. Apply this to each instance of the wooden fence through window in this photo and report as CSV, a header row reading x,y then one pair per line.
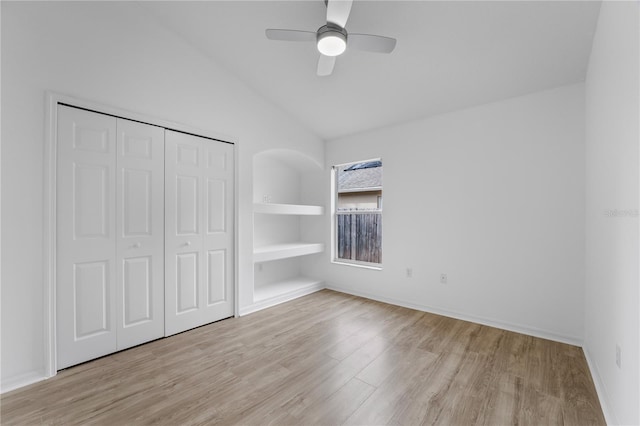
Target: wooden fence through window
x,y
360,237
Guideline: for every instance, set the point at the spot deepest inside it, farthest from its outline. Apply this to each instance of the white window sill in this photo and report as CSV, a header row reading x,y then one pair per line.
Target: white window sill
x,y
357,265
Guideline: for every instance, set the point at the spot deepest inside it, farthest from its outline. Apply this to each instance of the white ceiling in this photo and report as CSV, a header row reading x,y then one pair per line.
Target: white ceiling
x,y
450,54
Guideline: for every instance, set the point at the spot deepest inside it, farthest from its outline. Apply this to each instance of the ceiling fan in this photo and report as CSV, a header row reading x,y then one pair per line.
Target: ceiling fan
x,y
332,39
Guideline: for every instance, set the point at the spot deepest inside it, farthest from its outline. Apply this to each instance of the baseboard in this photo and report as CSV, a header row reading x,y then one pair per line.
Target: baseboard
x,y
273,301
518,328
601,390
21,380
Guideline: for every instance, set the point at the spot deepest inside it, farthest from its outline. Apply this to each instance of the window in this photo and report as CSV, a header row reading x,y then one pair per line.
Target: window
x,y
358,213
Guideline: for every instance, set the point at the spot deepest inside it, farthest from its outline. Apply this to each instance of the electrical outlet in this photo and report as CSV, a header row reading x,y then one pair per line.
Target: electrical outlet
x,y
618,356
443,278
409,272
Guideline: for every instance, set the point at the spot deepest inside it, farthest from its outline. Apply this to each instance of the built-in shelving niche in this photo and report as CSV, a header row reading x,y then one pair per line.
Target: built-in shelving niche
x,y
288,225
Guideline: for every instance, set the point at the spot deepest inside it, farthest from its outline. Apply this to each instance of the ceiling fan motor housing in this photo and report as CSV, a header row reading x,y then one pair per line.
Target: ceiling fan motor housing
x,y
331,39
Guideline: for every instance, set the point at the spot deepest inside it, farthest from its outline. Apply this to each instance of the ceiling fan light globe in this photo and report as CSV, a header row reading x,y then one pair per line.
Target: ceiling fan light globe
x,y
332,43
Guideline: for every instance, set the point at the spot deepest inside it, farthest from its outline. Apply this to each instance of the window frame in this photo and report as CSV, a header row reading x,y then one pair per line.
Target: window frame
x,y
334,219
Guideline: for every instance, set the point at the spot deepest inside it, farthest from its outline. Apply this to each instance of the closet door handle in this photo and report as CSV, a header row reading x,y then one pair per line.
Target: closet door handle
x,y
187,244
136,245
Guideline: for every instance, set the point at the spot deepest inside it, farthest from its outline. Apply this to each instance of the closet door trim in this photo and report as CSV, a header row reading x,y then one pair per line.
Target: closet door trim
x,y
52,101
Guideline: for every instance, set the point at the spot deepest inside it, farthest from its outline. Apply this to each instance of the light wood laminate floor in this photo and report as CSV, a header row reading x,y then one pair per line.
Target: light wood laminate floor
x,y
327,358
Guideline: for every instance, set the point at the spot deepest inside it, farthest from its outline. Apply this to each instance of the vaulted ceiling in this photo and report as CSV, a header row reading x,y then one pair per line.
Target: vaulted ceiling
x,y
450,54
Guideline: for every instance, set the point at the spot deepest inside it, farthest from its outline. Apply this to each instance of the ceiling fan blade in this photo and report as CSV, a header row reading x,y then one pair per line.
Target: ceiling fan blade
x,y
325,65
371,43
290,35
338,11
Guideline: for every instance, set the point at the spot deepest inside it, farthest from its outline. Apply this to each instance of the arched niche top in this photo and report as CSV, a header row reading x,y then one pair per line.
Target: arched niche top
x,y
298,161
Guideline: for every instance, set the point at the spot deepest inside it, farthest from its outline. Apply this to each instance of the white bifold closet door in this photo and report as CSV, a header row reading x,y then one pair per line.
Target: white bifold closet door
x,y
198,231
110,220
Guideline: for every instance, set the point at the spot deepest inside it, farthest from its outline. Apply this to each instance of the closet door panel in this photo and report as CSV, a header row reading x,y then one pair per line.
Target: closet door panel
x,y
219,232
187,276
137,202
91,188
199,212
140,233
183,233
86,237
91,289
217,290
187,205
137,291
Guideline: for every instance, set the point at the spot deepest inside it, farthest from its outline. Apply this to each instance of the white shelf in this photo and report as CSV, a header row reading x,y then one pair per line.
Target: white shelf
x,y
285,288
285,251
289,225
292,209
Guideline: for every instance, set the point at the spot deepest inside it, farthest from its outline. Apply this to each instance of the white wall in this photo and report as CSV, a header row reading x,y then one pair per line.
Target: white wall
x,y
112,54
612,137
493,196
